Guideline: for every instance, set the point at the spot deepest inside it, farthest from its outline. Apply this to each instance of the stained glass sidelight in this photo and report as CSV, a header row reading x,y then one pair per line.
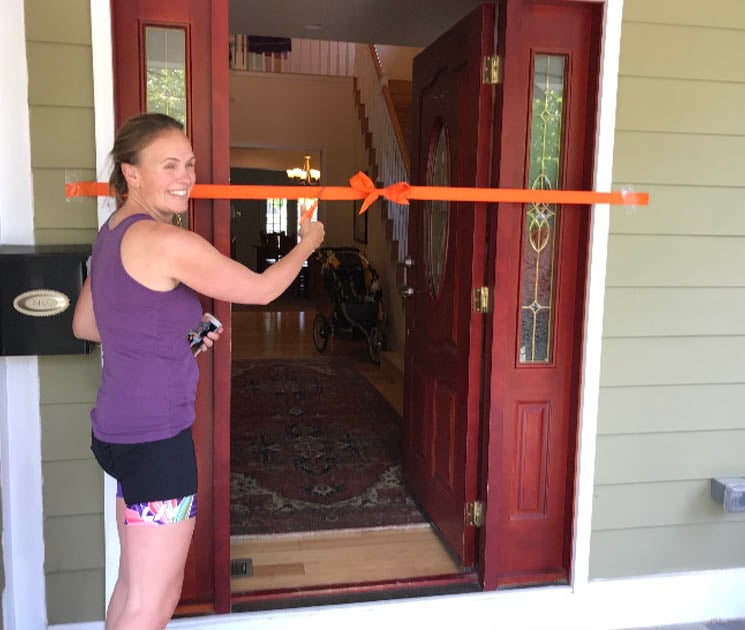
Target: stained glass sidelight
x,y
538,276
436,213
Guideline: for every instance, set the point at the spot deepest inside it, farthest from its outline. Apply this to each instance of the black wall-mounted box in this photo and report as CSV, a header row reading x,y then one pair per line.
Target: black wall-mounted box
x,y
39,288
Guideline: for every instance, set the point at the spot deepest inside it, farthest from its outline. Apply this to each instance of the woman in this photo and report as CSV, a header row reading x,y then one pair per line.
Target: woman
x,y
140,302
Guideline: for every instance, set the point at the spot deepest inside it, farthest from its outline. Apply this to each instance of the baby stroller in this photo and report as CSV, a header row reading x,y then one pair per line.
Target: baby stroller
x,y
352,306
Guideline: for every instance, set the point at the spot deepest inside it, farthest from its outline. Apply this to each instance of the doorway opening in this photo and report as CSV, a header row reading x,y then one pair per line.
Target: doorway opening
x,y
392,467
317,494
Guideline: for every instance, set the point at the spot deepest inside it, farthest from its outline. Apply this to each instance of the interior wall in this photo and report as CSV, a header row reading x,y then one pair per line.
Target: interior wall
x,y
314,112
397,62
272,159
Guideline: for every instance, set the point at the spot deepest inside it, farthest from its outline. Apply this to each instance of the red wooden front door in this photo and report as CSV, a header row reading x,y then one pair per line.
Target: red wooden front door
x,y
491,400
200,28
538,264
452,121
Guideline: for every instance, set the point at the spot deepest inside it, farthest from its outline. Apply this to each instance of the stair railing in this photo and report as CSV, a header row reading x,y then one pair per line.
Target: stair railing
x,y
387,141
308,56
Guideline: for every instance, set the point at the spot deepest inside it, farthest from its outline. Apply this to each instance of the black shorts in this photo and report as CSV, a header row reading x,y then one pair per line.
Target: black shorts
x,y
151,471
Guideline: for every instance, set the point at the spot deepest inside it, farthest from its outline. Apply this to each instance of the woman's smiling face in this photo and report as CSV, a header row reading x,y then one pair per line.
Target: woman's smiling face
x,y
163,177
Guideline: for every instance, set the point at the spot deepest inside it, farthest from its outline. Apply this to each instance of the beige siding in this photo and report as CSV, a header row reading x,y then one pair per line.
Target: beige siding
x,y
672,373
62,132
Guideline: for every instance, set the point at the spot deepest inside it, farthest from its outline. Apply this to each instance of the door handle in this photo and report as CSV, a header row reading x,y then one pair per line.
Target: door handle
x,y
408,262
406,291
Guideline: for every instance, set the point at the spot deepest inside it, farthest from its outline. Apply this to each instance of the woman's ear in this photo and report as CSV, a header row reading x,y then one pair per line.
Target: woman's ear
x,y
130,175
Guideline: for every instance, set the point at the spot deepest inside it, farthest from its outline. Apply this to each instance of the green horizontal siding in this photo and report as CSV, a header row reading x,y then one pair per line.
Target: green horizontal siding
x,y
658,504
679,312
58,21
672,361
60,95
711,108
675,261
685,209
642,550
49,86
672,374
75,596
728,13
673,51
62,137
84,475
674,158
640,409
653,457
55,213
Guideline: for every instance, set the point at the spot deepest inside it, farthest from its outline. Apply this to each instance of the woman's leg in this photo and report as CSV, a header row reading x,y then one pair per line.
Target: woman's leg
x,y
154,556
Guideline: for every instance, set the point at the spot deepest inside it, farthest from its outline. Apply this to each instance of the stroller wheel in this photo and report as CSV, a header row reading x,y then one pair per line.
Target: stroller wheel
x,y
375,343
320,332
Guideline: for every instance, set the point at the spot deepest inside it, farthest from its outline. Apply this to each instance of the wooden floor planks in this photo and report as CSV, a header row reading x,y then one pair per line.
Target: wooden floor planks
x,y
339,557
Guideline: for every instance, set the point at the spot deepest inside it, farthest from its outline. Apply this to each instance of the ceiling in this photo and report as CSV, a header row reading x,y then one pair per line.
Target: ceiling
x,y
396,22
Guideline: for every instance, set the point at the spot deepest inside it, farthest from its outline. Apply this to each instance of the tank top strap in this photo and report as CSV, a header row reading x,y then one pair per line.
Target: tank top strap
x,y
127,221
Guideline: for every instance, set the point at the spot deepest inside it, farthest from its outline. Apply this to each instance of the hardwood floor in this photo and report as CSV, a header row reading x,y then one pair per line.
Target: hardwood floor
x,y
340,557
333,557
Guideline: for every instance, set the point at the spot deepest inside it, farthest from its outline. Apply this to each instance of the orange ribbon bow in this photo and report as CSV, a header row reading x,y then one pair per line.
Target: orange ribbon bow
x,y
397,193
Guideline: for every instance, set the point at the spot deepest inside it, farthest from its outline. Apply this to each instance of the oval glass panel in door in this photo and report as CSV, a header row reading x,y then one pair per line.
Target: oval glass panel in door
x,y
436,212
540,242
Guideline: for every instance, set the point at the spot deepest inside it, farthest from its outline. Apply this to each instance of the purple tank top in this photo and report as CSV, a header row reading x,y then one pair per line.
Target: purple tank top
x,y
149,376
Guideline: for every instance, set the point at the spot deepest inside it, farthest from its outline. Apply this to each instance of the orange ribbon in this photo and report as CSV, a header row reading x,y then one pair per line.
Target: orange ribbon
x,y
362,187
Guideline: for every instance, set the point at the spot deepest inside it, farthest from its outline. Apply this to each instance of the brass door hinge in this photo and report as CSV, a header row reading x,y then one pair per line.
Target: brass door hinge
x,y
475,514
481,300
491,70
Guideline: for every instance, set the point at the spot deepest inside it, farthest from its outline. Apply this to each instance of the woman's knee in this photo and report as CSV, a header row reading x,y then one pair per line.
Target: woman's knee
x,y
154,610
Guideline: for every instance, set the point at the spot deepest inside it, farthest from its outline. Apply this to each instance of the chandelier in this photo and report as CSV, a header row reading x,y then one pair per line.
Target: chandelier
x,y
306,174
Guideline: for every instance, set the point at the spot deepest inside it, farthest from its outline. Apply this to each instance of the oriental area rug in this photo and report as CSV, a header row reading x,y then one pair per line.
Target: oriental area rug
x,y
314,446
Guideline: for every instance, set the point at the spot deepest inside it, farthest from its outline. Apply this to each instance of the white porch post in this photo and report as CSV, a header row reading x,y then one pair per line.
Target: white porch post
x,y
103,101
593,334
24,597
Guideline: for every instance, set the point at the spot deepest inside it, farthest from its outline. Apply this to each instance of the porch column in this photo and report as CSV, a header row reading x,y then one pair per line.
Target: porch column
x,y
24,595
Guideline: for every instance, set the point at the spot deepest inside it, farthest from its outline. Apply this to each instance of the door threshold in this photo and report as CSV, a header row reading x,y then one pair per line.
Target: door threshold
x,y
353,593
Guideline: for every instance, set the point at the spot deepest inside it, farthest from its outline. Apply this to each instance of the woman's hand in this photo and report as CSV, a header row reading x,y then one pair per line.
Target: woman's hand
x,y
210,338
312,233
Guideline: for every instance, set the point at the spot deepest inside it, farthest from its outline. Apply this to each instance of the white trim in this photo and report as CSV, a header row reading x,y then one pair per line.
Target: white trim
x,y
103,99
20,425
602,605
594,307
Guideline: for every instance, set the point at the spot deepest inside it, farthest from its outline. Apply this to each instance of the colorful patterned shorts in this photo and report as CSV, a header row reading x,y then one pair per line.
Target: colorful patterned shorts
x,y
164,512
149,471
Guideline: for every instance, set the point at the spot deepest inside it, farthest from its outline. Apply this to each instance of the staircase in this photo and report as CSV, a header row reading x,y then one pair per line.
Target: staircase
x,y
383,110
400,92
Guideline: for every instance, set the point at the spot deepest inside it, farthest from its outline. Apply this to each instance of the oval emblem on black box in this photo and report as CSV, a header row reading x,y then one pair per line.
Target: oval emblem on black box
x,y
41,303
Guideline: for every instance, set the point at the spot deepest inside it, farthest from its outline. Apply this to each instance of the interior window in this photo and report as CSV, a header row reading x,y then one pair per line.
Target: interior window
x,y
276,216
